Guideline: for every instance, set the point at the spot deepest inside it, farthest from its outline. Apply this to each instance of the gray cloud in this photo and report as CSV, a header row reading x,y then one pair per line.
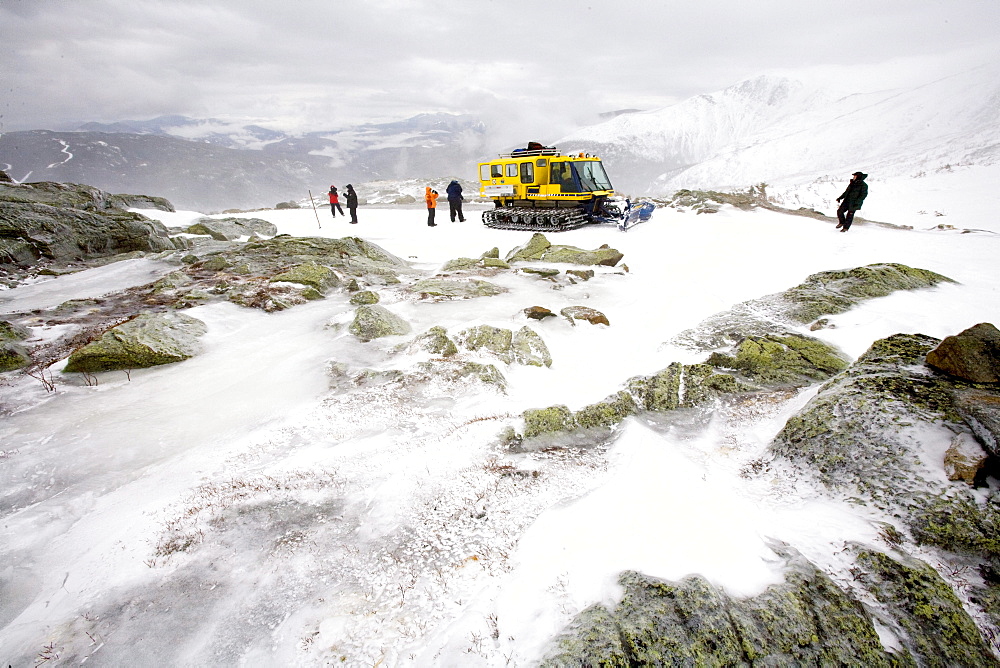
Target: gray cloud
x,y
538,67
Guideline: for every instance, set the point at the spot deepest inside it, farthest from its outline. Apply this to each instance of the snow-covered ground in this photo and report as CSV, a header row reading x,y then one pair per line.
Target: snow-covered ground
x,y
233,509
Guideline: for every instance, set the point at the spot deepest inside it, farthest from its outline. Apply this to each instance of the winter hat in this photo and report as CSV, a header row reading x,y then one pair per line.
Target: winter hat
x,y
861,174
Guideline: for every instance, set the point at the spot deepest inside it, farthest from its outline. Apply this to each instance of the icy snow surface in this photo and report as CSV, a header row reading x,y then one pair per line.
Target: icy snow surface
x,y
233,509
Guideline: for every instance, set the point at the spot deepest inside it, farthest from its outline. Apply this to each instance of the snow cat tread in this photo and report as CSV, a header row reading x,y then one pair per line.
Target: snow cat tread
x,y
534,220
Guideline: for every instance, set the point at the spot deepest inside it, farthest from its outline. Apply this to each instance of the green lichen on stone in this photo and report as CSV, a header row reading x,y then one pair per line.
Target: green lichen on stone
x,y
494,263
604,256
832,292
10,331
364,297
805,621
782,360
532,250
436,341
547,420
13,356
529,349
461,288
460,263
938,631
317,276
495,340
214,263
660,392
491,254
147,340
702,383
374,321
959,523
607,413
544,272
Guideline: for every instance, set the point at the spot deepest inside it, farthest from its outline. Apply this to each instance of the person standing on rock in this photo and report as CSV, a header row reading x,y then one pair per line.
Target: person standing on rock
x,y
431,197
851,200
335,202
352,203
455,200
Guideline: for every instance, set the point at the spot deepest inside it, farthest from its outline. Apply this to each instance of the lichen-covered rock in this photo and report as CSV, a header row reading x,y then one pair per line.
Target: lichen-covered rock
x,y
317,276
703,383
934,625
494,263
805,621
530,251
229,229
460,263
456,288
495,340
529,349
455,371
607,413
364,297
972,355
593,316
544,272
833,292
374,321
825,293
553,419
149,339
663,391
539,248
493,253
604,256
13,356
660,392
435,341
779,360
582,274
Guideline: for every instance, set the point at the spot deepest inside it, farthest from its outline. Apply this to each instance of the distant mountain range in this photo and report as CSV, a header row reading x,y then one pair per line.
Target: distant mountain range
x,y
771,129
783,129
207,164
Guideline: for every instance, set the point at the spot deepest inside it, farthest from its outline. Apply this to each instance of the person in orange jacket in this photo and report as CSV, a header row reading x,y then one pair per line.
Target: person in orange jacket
x,y
431,197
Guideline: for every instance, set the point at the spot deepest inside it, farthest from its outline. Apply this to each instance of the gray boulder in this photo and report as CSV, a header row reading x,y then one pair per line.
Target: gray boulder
x,y
149,339
456,288
529,349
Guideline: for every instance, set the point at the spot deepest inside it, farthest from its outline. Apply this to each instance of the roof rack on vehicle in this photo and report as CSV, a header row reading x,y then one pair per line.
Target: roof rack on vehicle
x,y
528,152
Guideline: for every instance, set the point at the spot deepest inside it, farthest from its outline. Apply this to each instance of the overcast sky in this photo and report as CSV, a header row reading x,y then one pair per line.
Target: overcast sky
x,y
542,64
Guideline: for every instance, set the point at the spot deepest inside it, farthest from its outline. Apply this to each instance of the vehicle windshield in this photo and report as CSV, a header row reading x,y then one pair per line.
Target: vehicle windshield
x,y
591,176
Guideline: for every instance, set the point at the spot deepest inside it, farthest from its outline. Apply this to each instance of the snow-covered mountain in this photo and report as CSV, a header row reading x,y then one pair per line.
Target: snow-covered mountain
x,y
210,164
784,129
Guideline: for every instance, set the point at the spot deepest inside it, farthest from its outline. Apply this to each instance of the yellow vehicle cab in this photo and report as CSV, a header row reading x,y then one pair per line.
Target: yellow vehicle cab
x,y
538,188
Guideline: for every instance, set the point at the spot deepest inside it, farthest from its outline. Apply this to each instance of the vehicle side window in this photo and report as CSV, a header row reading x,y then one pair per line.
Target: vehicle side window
x,y
511,169
484,172
496,171
527,172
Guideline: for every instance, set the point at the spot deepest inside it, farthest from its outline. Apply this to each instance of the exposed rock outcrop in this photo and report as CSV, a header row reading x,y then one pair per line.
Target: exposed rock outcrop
x,y
456,288
228,229
540,249
149,339
374,322
67,222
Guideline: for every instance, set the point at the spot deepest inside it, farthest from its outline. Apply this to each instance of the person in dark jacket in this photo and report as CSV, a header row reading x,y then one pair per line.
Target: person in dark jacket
x,y
352,203
851,200
455,200
335,202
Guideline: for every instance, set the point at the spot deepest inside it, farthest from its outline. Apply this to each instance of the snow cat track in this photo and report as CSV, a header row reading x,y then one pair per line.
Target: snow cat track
x,y
535,220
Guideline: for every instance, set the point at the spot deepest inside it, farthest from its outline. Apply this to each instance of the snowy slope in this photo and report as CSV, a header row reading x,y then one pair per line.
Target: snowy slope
x,y
778,128
382,530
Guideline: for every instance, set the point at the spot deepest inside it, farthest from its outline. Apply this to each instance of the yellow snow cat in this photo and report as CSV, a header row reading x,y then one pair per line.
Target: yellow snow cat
x,y
538,188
